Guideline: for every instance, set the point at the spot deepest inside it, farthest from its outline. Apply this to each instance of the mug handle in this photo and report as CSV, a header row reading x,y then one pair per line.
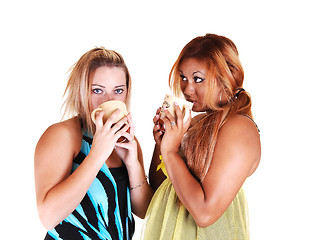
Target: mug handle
x,y
94,112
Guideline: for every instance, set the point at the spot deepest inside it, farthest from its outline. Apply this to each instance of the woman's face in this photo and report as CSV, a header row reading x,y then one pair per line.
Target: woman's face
x,y
193,83
108,83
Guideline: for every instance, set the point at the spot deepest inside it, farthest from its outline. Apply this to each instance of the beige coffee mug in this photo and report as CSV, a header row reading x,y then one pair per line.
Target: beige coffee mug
x,y
168,104
109,108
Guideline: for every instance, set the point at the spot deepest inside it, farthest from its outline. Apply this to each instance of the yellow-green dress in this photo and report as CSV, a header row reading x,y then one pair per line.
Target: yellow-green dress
x,y
168,219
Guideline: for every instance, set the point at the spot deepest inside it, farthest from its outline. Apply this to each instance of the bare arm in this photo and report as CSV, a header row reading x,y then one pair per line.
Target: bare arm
x,y
156,177
58,192
131,154
236,156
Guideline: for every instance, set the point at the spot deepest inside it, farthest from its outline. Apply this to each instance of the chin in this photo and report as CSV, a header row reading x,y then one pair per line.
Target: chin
x,y
198,109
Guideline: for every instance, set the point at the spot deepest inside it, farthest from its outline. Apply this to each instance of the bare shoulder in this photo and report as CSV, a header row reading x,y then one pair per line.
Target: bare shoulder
x,y
239,136
54,155
240,125
63,135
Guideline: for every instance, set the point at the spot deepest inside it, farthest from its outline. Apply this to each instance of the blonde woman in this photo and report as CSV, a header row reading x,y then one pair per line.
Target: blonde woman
x,y
87,183
199,166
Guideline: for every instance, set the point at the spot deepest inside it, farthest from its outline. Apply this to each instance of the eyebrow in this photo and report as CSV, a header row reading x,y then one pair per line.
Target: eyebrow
x,y
94,84
120,86
193,72
198,72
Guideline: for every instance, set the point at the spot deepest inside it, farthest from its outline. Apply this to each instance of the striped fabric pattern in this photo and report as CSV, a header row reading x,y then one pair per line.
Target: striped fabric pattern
x,y
98,216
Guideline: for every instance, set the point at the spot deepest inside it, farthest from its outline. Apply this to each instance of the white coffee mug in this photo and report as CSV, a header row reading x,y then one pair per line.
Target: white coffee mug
x,y
168,104
109,108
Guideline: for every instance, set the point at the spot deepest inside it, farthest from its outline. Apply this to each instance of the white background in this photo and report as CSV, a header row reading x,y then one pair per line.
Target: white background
x,y
286,48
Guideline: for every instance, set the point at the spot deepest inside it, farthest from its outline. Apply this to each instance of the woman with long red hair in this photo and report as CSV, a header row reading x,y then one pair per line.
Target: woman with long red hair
x,y
203,162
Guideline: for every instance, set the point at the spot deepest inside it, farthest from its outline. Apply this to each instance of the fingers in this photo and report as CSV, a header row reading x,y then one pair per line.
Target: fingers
x,y
131,123
188,111
169,120
156,118
157,131
179,114
127,138
158,124
98,119
158,110
111,120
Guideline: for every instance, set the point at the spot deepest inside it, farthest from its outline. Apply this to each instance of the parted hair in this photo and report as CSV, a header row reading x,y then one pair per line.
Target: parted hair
x,y
224,70
78,90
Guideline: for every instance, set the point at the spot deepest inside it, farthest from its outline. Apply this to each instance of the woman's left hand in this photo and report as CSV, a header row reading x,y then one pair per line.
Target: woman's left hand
x,y
127,150
174,130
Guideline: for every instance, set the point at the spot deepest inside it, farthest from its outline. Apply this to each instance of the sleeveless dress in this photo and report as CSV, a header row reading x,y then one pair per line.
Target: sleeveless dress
x,y
105,211
168,219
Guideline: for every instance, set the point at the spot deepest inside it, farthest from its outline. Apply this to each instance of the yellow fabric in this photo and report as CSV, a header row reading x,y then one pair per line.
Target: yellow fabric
x,y
162,166
168,219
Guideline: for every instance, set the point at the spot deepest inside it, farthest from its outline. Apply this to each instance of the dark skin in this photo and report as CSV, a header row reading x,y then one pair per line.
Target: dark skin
x,y
236,156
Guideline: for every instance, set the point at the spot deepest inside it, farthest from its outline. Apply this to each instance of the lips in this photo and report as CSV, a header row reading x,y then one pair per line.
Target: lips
x,y
190,100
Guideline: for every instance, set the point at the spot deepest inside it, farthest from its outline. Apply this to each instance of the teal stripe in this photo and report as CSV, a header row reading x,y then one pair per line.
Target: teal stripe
x,y
117,214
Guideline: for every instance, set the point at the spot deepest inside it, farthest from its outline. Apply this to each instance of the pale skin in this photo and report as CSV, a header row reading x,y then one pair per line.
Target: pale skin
x,y
58,192
236,154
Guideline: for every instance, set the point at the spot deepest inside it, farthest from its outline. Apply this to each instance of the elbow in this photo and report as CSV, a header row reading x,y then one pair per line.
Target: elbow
x,y
46,218
203,222
205,218
139,214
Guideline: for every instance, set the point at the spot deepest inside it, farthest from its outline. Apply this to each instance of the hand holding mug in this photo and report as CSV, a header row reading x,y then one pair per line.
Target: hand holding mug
x,y
109,108
169,104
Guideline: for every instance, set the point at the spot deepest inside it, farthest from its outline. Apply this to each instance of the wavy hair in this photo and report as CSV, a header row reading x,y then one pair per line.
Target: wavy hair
x,y
224,71
78,89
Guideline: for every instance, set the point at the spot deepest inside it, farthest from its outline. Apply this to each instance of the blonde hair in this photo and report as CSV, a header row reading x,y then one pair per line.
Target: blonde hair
x,y
224,71
78,89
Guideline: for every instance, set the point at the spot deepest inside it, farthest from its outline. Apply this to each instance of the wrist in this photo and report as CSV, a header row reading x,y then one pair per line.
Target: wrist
x,y
169,151
169,154
134,167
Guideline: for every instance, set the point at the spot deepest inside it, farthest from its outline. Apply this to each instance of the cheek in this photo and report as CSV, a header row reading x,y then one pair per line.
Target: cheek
x,y
95,102
182,86
122,97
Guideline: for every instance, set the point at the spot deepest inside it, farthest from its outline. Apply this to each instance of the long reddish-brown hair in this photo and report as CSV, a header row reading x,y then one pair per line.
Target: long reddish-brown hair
x,y
224,70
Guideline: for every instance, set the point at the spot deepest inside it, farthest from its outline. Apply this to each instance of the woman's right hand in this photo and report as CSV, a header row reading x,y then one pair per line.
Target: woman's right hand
x,y
106,135
158,130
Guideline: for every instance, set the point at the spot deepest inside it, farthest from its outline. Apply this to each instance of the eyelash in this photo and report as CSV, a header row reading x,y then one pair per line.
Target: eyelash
x,y
99,91
196,79
117,91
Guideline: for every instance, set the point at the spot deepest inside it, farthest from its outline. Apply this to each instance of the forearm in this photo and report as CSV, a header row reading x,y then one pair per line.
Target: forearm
x,y
61,200
140,191
155,177
187,187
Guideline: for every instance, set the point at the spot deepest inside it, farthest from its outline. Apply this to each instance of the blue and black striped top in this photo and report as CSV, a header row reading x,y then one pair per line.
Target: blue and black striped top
x,y
105,211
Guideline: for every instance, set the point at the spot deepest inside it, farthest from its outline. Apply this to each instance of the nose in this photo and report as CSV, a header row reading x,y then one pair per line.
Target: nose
x,y
189,89
108,97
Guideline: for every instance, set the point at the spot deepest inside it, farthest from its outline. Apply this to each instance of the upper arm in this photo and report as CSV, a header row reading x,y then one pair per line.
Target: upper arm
x,y
54,154
236,156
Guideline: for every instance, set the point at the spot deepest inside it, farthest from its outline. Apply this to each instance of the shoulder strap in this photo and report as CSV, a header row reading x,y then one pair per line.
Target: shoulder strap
x,y
252,121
